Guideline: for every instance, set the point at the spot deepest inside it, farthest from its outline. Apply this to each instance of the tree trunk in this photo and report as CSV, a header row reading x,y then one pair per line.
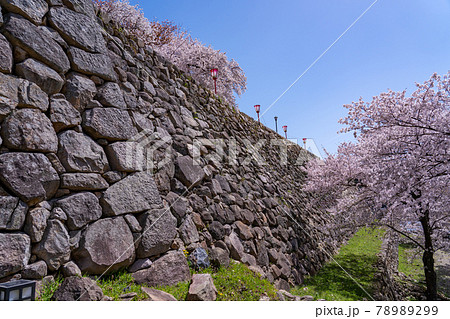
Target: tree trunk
x,y
428,259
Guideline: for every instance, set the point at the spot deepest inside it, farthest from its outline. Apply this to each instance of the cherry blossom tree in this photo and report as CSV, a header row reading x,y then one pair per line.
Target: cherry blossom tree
x,y
397,171
177,46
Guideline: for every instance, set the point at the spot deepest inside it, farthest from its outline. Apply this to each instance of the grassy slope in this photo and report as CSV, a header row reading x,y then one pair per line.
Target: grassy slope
x,y
357,257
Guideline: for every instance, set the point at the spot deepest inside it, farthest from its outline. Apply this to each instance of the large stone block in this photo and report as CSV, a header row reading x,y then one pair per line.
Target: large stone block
x,y
54,248
14,253
29,175
77,29
134,194
31,96
46,78
33,10
79,153
168,270
106,245
189,173
6,56
126,156
78,289
79,90
159,231
81,209
83,181
62,114
29,130
12,213
110,94
109,123
35,42
36,223
202,288
98,64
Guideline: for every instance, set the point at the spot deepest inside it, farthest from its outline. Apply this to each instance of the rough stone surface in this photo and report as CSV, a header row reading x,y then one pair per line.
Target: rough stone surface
x,y
202,288
92,64
79,153
219,257
14,253
46,78
54,247
12,213
109,123
79,90
36,223
199,258
70,269
33,10
168,270
159,230
133,223
31,96
23,33
62,114
235,246
78,289
110,94
126,156
187,172
77,29
29,130
81,209
29,175
82,6
105,246
6,55
140,264
158,295
38,270
133,194
9,94
83,181
188,231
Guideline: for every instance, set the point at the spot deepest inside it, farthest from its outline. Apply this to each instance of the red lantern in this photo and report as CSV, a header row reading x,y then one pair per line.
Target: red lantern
x,y
214,76
257,109
285,130
304,142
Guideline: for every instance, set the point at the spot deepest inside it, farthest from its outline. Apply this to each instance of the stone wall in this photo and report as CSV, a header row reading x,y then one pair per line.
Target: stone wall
x,y
97,171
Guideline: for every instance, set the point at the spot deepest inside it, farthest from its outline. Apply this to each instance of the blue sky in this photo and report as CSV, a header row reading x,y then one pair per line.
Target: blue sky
x,y
397,43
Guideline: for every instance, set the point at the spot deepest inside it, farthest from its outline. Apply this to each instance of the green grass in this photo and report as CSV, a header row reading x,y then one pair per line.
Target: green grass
x,y
358,258
410,263
118,284
49,289
179,291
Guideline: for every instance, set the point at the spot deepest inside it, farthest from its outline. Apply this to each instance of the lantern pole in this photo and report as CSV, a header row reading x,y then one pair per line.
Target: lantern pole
x,y
285,130
276,124
214,76
257,109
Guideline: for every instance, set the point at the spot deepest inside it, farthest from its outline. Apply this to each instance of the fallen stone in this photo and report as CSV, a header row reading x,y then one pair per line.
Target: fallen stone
x,y
128,296
14,253
36,223
110,94
29,130
92,64
133,194
70,269
78,289
79,153
62,114
81,209
199,258
106,246
12,213
77,29
202,288
159,230
168,270
187,172
29,175
140,264
79,90
46,78
33,10
6,55
54,247
109,123
158,295
38,270
25,34
83,181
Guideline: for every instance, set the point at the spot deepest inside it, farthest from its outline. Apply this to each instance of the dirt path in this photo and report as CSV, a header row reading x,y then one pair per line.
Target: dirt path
x,y
442,263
